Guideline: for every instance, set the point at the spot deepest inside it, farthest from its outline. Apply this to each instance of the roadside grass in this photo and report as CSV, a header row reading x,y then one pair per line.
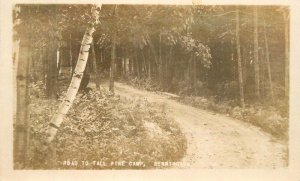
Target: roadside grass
x,y
266,118
102,127
272,119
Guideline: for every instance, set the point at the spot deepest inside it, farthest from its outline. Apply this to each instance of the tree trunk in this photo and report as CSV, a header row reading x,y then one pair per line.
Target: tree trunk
x,y
232,54
16,48
171,64
287,51
59,62
137,62
75,48
195,75
134,65
256,60
238,48
118,62
86,75
21,131
33,68
190,76
156,66
160,63
244,65
95,67
113,58
51,82
160,74
130,65
124,67
73,87
149,69
144,64
102,55
112,64
149,65
70,55
152,48
41,59
262,56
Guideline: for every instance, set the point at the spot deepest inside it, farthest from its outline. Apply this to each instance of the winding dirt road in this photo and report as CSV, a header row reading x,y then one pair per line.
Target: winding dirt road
x,y
214,140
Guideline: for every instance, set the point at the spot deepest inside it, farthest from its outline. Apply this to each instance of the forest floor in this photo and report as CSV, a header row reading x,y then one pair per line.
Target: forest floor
x,y
102,131
215,140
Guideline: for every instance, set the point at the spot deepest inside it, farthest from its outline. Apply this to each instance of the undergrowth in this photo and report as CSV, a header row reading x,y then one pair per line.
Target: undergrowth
x,y
102,127
270,118
266,118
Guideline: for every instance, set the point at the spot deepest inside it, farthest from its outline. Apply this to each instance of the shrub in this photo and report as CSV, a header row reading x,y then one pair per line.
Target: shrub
x,y
267,118
103,127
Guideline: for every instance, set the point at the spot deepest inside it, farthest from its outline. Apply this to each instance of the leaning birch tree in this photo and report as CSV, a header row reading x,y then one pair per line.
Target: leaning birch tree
x,y
67,102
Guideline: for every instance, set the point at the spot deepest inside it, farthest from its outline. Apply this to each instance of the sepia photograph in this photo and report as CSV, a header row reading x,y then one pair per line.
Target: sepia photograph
x,y
150,87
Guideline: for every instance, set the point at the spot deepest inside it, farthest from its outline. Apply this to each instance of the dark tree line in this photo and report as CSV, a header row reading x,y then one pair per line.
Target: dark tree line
x,y
168,44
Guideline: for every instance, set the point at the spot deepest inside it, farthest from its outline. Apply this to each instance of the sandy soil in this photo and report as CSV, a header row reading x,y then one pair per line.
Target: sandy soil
x,y
214,140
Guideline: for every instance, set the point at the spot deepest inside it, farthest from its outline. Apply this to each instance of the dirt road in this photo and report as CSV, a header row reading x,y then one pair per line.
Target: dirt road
x,y
217,141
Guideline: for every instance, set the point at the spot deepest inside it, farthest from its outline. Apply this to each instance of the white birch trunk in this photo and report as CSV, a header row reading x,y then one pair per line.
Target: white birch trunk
x,y
57,58
58,62
73,87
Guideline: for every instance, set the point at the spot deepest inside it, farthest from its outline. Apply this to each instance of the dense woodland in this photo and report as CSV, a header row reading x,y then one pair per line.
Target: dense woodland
x,y
234,56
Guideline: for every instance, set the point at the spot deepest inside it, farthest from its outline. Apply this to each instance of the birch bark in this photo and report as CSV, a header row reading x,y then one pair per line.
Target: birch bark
x,y
73,87
66,104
